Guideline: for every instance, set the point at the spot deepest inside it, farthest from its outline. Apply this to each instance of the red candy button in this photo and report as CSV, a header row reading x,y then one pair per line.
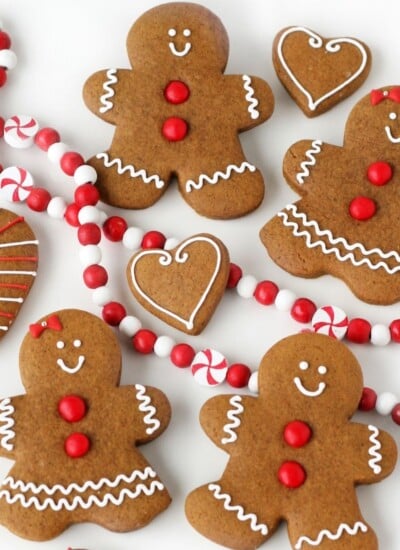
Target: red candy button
x,y
72,408
297,433
174,129
292,474
362,208
77,445
379,173
176,92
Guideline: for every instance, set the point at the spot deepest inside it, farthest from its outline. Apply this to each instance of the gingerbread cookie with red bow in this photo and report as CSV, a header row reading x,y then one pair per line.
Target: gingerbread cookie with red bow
x,y
299,462
344,224
176,114
73,435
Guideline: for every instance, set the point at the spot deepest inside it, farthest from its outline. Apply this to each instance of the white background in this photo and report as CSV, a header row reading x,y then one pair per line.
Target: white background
x,y
59,44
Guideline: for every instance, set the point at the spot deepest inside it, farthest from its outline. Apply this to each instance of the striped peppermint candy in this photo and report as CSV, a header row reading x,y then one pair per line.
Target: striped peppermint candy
x,y
20,130
209,367
330,320
15,184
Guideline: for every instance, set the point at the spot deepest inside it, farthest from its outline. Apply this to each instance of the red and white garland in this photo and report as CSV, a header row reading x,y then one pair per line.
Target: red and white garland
x,y
8,59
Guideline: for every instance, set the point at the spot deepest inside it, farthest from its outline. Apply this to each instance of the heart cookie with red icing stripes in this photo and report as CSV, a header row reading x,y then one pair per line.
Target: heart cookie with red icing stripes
x,y
18,266
319,72
182,286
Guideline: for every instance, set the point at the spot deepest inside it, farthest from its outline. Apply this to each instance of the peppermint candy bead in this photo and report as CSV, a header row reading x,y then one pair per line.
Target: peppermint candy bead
x,y
209,367
20,131
330,320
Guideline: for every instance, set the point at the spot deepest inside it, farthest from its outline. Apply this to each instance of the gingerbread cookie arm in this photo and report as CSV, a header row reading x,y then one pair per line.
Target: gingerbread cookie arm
x,y
251,99
153,413
8,407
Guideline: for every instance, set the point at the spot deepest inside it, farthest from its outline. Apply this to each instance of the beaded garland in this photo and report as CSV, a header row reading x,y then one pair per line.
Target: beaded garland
x,y
8,59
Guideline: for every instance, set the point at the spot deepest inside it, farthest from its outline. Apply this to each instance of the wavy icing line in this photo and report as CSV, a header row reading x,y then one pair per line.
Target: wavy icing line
x,y
146,407
373,450
332,46
254,525
219,175
108,91
343,527
250,98
134,173
336,240
310,155
233,416
6,431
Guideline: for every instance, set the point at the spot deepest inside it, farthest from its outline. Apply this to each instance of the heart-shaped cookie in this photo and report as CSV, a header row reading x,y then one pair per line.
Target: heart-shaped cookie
x,y
18,266
182,286
319,72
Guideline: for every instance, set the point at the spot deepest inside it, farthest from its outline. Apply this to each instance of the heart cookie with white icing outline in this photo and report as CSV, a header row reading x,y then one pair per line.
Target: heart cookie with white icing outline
x,y
182,286
319,72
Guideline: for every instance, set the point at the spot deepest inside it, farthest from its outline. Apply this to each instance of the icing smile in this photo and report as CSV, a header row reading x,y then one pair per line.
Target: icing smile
x,y
388,130
303,365
71,370
186,49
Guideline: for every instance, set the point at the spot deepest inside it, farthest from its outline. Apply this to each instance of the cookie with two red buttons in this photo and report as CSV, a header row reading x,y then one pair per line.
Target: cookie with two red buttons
x,y
73,435
294,453
177,115
345,221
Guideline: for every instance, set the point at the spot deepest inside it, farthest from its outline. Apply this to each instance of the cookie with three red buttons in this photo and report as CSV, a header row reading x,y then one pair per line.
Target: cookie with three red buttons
x,y
345,222
177,115
294,453
73,435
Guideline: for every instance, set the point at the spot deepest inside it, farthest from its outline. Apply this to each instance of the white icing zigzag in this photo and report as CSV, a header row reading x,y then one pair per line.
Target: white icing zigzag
x,y
146,407
108,91
310,155
7,423
253,102
134,173
373,450
233,416
343,528
203,178
254,525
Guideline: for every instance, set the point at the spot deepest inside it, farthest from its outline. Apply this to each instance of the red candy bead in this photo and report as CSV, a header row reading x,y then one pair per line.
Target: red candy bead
x,y
70,161
72,408
5,41
265,292
174,129
362,208
77,445
235,274
3,76
379,173
176,92
303,310
89,233
113,313
368,400
38,199
94,276
46,137
2,123
71,214
182,355
238,375
395,330
358,331
114,228
86,195
297,433
291,474
144,341
396,413
153,239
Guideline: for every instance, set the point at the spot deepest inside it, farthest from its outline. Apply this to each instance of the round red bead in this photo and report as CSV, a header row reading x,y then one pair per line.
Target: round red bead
x,y
297,433
291,474
89,233
266,292
114,228
71,214
176,92
3,76
182,355
303,310
94,276
368,400
70,161
235,274
38,199
396,413
46,137
77,445
379,173
175,129
153,239
395,330
86,195
238,375
144,341
113,313
72,408
5,41
358,331
362,208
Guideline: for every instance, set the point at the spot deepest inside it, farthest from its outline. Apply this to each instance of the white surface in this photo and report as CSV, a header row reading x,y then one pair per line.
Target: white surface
x,y
59,44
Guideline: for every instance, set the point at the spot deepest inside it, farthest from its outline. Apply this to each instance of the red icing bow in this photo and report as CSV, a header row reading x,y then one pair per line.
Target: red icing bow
x,y
377,95
53,322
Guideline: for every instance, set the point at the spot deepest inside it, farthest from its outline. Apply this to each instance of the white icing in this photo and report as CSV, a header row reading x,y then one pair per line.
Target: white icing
x,y
133,172
4,328
71,370
303,365
252,101
108,91
374,450
390,136
305,391
77,343
297,232
310,155
18,300
392,116
18,272
60,344
233,415
7,423
146,407
19,243
332,46
187,32
343,528
241,516
180,257
186,49
204,178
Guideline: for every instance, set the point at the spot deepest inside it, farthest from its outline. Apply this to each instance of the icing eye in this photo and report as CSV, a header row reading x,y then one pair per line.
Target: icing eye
x,y
303,365
322,369
187,32
392,116
60,344
172,32
77,343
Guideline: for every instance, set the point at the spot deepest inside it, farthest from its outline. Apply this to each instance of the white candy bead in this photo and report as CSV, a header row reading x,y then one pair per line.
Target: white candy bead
x,y
253,382
8,59
380,335
90,255
56,208
171,243
89,214
20,130
284,300
130,325
101,296
385,403
85,174
246,286
56,151
132,238
163,346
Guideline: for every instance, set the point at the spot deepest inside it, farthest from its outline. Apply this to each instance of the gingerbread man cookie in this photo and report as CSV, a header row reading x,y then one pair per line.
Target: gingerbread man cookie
x,y
178,115
344,222
294,453
73,434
